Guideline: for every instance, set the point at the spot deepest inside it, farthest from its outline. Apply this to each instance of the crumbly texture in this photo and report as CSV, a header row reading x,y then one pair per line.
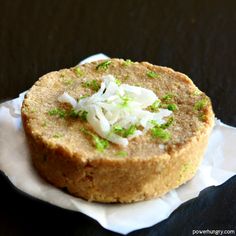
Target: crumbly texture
x,y
65,155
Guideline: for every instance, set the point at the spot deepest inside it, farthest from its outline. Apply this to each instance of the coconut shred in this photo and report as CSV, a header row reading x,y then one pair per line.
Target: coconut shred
x,y
118,105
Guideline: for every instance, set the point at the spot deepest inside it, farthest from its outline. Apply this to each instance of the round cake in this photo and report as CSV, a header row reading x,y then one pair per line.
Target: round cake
x,y
116,130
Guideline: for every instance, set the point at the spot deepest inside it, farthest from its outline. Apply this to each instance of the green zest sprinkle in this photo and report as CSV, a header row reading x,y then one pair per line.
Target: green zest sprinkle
x,y
117,129
168,123
158,132
62,74
199,105
125,101
155,106
202,117
167,97
197,92
104,65
100,144
57,112
172,107
165,125
118,82
82,97
128,62
78,114
72,113
68,81
152,74
79,72
57,135
122,154
94,85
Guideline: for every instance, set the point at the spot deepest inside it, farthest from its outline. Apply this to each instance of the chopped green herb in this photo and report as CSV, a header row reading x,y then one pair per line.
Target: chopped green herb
x,y
104,65
128,62
79,72
94,85
100,144
158,132
167,97
155,106
152,74
57,112
199,105
118,82
172,107
122,154
124,132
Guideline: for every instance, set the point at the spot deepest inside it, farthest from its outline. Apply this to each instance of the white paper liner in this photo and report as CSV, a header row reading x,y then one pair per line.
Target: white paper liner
x,y
218,165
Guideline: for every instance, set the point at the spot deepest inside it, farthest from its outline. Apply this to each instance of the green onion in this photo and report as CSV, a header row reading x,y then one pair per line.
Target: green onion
x,y
152,74
104,65
199,105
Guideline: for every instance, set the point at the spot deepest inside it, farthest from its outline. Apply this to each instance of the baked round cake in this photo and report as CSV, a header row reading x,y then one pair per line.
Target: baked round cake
x,y
116,130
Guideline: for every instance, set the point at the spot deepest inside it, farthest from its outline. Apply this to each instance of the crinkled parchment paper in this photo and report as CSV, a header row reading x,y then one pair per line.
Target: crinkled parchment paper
x,y
218,165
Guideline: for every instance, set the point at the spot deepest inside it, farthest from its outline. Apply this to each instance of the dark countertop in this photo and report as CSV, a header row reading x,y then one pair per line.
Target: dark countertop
x,y
194,37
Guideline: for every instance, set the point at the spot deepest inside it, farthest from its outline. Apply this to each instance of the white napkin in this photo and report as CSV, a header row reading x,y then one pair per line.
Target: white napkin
x,y
218,165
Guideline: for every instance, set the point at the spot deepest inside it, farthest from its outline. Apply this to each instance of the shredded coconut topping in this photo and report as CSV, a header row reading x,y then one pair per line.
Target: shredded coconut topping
x,y
118,106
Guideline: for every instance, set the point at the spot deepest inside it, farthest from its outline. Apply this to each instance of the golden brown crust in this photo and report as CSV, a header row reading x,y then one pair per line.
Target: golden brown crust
x,y
148,171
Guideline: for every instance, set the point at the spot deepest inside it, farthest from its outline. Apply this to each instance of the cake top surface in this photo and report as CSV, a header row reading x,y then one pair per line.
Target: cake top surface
x,y
56,110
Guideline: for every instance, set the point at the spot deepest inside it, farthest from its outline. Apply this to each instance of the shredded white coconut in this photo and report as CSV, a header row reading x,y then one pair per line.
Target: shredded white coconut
x,y
118,105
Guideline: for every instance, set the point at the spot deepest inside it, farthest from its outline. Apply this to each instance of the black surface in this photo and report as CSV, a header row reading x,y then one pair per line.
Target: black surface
x,y
194,37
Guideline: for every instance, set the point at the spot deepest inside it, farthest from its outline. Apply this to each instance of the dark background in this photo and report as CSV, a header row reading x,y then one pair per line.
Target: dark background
x,y
194,37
